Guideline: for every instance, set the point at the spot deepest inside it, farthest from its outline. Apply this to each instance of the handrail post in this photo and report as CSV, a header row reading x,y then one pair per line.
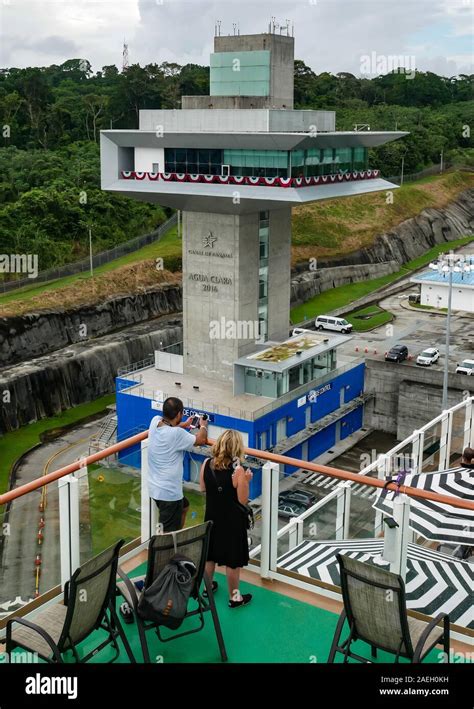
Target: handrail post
x,y
469,424
383,464
343,514
270,485
445,439
417,452
148,526
295,533
69,545
401,515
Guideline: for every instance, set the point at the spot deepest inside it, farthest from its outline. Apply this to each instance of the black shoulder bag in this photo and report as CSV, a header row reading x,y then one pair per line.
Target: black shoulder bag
x,y
246,510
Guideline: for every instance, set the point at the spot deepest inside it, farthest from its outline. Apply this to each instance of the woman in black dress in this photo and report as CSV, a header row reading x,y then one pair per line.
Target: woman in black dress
x,y
226,483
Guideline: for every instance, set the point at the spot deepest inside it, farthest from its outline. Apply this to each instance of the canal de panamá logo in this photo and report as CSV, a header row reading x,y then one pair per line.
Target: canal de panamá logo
x,y
208,241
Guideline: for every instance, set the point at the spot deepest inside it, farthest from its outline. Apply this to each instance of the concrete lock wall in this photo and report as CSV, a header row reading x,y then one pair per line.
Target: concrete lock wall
x,y
220,286
408,397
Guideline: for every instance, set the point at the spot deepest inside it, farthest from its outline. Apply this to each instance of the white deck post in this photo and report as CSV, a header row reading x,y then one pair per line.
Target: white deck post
x,y
148,507
269,549
445,440
469,424
343,514
295,533
68,487
401,515
417,452
383,464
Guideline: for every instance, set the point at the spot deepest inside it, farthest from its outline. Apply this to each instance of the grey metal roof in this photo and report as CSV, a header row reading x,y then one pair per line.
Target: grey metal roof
x,y
221,198
251,141
332,342
459,279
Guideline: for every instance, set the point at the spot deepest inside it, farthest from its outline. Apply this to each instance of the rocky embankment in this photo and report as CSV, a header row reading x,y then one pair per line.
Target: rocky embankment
x,y
390,251
85,371
52,360
36,334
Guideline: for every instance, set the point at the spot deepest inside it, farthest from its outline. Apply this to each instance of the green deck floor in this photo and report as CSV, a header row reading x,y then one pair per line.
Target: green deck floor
x,y
273,628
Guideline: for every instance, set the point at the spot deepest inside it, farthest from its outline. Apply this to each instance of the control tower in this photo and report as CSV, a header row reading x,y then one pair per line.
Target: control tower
x,y
235,163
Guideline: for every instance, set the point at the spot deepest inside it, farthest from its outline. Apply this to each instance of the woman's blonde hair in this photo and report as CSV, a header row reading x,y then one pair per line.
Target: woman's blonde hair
x,y
228,446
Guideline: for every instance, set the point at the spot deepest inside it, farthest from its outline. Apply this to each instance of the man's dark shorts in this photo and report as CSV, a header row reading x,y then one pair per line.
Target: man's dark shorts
x,y
171,513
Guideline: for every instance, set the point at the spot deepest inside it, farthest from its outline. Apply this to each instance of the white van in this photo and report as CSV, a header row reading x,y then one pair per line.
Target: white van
x,y
466,367
329,322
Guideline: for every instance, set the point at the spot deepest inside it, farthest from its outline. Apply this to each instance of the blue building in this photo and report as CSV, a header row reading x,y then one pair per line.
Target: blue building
x,y
290,397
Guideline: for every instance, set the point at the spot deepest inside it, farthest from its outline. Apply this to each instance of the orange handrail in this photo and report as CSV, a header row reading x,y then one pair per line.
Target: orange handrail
x,y
255,452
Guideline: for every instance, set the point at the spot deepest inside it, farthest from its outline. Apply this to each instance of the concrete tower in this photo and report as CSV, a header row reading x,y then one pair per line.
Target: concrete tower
x,y
235,162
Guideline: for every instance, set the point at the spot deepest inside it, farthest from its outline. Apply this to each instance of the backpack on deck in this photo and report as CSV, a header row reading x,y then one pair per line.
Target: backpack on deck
x,y
165,601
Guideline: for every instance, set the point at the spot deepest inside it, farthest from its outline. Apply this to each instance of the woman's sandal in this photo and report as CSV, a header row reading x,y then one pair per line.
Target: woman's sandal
x,y
215,586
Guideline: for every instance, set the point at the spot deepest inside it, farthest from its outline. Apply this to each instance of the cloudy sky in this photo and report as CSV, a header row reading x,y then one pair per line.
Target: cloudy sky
x,y
330,35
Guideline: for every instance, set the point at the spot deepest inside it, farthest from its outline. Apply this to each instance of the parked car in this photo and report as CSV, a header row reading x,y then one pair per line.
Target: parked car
x,y
397,353
329,322
290,509
299,496
428,356
414,298
301,331
466,367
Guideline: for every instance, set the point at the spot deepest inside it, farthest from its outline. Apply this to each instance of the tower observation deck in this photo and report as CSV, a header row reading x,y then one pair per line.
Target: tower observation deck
x,y
235,163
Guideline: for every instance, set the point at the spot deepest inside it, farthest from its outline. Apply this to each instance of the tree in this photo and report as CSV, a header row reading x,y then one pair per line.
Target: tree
x,y
95,106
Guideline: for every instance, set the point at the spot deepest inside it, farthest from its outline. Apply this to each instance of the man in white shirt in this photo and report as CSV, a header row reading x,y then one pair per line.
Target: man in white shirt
x,y
167,442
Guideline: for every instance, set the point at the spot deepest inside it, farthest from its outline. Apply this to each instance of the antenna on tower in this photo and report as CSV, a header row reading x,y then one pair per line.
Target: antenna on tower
x,y
273,24
234,27
219,22
125,63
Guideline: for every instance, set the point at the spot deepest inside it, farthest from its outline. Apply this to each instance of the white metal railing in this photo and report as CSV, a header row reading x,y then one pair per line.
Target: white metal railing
x,y
137,389
417,438
395,540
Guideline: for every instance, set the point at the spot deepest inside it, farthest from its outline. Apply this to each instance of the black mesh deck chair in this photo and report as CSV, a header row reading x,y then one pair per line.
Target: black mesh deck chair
x,y
89,604
376,612
191,542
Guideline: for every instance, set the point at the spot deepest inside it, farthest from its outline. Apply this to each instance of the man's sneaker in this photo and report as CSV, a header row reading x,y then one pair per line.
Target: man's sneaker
x,y
126,612
246,598
215,586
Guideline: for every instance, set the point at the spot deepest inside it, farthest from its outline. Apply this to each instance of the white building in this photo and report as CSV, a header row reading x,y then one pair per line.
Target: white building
x,y
435,288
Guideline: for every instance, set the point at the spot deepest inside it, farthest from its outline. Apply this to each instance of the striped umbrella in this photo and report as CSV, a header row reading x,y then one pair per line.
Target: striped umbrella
x,y
434,520
435,583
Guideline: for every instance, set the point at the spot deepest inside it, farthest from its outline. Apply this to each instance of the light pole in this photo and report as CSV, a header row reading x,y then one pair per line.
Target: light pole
x,y
91,260
447,264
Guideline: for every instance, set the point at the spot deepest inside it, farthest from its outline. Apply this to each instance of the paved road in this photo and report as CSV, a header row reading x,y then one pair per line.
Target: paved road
x,y
17,574
417,329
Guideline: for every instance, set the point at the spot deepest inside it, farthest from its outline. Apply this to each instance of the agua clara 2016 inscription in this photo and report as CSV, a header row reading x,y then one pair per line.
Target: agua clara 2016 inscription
x,y
210,281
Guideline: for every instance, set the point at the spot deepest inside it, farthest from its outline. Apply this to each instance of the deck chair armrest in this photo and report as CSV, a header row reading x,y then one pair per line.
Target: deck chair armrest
x,y
130,587
38,629
431,625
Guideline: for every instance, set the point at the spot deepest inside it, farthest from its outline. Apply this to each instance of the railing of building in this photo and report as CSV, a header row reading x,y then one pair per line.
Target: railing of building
x,y
203,406
246,180
85,490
